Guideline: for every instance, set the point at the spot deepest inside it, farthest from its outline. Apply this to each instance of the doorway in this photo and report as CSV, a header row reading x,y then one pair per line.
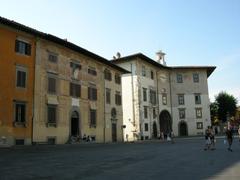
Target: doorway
x,y
183,129
165,123
114,132
75,124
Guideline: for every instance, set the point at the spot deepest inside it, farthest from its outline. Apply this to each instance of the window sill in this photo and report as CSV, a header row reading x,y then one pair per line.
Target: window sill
x,y
92,126
51,124
19,124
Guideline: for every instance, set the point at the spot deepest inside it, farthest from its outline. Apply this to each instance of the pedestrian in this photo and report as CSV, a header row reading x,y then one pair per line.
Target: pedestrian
x,y
229,136
172,136
212,138
207,138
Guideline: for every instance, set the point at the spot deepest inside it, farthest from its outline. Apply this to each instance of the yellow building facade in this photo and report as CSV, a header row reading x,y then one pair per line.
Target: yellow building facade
x,y
70,95
17,59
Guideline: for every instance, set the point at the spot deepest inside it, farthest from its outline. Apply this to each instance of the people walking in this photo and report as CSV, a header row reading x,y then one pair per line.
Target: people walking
x,y
229,136
207,138
212,138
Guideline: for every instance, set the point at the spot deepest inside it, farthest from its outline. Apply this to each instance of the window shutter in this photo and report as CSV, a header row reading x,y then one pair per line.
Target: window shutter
x,y
89,93
16,46
28,49
23,81
95,94
22,113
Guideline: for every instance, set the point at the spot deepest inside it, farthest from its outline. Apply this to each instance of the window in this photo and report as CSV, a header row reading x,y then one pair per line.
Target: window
x,y
22,47
93,117
118,98
117,79
181,113
20,112
154,113
52,57
108,96
195,77
164,99
198,113
75,90
143,71
153,97
92,71
21,77
144,94
152,75
107,75
92,93
197,99
19,141
51,114
145,112
52,85
199,125
146,126
181,99
75,68
179,78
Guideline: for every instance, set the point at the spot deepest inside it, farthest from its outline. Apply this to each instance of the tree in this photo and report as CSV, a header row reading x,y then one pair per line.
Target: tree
x,y
214,112
227,106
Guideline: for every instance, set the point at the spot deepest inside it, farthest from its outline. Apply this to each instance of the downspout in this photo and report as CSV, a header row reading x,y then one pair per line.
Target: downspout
x,y
35,72
158,106
170,84
104,109
133,101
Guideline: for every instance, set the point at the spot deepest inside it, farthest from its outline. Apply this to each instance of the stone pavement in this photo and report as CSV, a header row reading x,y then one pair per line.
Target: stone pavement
x,y
184,159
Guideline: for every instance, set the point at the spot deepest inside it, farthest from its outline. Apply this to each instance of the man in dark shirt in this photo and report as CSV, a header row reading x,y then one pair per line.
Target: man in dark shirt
x,y
229,138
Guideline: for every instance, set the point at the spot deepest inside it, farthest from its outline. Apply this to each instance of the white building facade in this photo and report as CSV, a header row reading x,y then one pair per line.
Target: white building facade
x,y
158,99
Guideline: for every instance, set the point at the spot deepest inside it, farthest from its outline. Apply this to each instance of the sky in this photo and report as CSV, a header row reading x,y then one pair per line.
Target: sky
x,y
190,32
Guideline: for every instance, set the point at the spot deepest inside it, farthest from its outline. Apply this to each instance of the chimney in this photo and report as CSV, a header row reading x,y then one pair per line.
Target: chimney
x,y
161,58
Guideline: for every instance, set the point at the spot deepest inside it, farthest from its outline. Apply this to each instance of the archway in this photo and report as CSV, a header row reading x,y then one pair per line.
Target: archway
x,y
154,130
74,124
183,131
165,122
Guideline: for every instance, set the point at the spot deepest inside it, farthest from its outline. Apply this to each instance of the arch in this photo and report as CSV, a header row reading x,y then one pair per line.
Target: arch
x,y
165,122
155,130
182,128
74,128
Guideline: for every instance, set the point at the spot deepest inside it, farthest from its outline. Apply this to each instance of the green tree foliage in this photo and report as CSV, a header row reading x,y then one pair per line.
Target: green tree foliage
x,y
227,105
214,111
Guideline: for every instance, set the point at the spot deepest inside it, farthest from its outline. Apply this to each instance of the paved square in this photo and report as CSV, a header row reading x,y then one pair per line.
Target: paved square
x,y
185,159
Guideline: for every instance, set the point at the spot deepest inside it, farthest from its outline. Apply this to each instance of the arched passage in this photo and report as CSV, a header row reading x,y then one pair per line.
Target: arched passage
x,y
165,122
183,130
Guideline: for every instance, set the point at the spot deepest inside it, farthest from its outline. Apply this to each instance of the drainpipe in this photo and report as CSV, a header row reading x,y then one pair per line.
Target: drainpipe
x,y
33,103
158,106
104,109
133,100
171,99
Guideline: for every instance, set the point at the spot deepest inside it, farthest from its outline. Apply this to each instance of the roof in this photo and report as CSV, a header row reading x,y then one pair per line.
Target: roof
x,y
209,69
59,41
141,56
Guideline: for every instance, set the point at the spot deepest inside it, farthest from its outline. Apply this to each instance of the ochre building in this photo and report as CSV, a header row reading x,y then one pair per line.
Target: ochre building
x,y
17,59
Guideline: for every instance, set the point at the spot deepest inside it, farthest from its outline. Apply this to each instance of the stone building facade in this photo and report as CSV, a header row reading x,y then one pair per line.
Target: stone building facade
x,y
159,99
58,91
70,95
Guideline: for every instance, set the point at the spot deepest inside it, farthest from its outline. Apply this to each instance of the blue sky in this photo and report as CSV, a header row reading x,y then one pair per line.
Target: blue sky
x,y
190,32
